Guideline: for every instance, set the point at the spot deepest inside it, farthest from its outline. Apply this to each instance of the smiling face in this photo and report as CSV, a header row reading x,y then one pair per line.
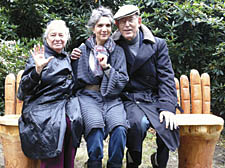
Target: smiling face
x,y
102,30
57,38
128,26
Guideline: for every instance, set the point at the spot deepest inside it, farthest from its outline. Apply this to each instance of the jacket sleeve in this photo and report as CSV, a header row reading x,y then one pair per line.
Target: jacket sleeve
x,y
29,81
114,82
166,88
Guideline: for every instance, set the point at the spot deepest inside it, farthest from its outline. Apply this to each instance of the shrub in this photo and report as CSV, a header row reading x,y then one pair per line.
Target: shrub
x,y
13,56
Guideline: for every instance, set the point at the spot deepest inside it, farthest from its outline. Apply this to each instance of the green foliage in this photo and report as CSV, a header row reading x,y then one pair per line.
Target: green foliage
x,y
13,56
6,29
194,31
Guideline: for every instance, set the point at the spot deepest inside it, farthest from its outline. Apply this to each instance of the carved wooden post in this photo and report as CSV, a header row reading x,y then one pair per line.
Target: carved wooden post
x,y
19,103
199,133
11,145
196,92
178,93
185,94
205,81
10,89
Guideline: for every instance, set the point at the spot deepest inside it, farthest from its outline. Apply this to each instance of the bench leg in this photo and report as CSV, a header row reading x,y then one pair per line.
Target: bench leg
x,y
197,145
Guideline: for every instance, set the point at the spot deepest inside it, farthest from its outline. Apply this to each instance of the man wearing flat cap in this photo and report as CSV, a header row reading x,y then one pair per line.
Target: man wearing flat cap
x,y
150,96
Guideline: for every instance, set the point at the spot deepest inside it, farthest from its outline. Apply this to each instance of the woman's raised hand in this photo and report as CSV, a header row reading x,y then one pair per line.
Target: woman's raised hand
x,y
102,59
39,58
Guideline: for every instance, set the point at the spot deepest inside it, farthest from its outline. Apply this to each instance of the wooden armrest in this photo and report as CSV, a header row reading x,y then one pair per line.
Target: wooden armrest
x,y
10,120
198,119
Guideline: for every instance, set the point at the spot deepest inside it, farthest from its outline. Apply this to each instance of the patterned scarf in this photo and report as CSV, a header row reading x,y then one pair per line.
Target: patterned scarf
x,y
95,50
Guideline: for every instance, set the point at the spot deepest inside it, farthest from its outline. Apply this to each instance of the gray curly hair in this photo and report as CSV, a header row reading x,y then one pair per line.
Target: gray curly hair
x,y
97,14
57,23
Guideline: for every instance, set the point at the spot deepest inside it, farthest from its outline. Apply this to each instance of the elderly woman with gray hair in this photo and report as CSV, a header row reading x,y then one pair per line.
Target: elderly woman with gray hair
x,y
101,75
51,125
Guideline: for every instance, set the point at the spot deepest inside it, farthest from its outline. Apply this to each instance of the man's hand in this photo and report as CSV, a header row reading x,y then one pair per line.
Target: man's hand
x,y
39,58
76,53
170,119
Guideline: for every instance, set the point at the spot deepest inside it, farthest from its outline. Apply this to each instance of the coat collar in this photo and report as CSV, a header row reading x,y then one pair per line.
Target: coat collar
x,y
144,53
51,52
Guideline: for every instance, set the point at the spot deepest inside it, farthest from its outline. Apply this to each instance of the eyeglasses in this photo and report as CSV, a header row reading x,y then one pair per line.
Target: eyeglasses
x,y
130,20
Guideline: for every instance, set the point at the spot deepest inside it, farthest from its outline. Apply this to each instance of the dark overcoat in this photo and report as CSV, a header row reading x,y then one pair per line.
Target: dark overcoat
x,y
47,99
151,88
103,108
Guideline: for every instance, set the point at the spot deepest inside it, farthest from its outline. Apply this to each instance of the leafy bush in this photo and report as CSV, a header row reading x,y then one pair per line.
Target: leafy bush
x,y
13,56
6,29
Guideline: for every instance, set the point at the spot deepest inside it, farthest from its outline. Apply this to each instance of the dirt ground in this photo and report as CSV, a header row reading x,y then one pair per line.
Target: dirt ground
x,y
149,148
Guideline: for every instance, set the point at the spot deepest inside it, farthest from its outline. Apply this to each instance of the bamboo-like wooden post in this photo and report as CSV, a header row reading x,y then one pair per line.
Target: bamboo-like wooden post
x,y
178,93
185,94
19,103
10,89
196,92
206,98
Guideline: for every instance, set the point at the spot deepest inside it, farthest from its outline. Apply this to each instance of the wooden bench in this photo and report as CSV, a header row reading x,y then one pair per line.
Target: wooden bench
x,y
199,129
9,132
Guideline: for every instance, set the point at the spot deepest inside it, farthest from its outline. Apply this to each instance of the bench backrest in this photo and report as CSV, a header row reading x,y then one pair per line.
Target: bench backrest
x,y
12,104
193,96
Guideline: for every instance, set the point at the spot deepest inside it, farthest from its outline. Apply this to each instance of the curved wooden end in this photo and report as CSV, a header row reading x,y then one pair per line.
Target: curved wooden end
x,y
196,92
199,134
185,94
178,93
19,103
11,144
206,98
10,89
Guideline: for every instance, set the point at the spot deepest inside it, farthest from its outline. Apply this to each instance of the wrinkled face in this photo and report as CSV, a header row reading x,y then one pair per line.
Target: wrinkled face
x,y
102,30
128,26
57,38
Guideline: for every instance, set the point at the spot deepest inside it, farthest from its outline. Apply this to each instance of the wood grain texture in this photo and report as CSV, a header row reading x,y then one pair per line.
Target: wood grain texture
x,y
178,93
10,92
19,103
196,92
206,98
185,94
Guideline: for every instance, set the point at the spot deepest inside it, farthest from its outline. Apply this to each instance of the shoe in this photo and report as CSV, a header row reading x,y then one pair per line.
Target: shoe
x,y
153,161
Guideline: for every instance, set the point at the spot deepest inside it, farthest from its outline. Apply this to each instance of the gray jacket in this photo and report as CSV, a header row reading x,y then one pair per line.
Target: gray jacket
x,y
103,108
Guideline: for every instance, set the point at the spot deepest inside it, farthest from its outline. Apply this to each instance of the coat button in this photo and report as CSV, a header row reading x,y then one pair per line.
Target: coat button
x,y
69,76
66,96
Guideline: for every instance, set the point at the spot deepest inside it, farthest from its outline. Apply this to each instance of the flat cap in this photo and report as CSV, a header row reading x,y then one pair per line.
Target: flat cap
x,y
126,10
